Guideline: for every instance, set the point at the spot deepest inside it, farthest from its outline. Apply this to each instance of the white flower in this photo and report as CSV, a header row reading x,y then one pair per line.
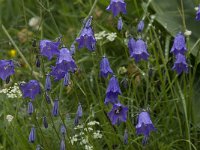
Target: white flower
x,y
111,36
73,139
12,92
9,118
34,22
88,147
187,32
97,135
196,8
100,35
91,123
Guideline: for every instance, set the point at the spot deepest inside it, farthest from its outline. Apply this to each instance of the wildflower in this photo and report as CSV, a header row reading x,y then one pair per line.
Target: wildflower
x,y
117,6
112,92
32,135
198,14
120,24
62,145
66,59
55,108
131,45
179,45
88,22
139,51
105,67
86,39
79,114
12,53
9,118
140,26
6,69
144,125
187,32
118,113
49,48
38,147
30,89
97,135
63,129
72,49
125,136
34,22
48,100
66,79
30,108
48,83
111,36
59,71
45,123
37,62
180,64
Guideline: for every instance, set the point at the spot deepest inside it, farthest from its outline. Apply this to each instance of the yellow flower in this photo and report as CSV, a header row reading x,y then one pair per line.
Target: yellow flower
x,y
12,52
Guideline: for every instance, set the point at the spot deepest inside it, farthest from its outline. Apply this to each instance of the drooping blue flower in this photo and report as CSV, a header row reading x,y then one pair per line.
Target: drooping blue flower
x,y
49,48
131,45
30,89
62,129
66,59
45,123
48,83
58,71
86,39
37,62
79,114
120,24
62,145
125,136
30,108
32,135
139,51
144,125
7,69
118,113
112,92
66,79
140,26
88,22
117,6
198,14
55,108
105,67
179,45
48,100
72,49
180,64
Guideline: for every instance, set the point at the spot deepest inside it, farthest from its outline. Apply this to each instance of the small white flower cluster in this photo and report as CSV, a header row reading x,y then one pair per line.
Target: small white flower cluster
x,y
9,118
109,36
82,138
12,92
34,22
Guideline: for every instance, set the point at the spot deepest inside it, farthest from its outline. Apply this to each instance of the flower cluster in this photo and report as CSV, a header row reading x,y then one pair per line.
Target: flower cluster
x,y
179,49
82,138
103,34
12,92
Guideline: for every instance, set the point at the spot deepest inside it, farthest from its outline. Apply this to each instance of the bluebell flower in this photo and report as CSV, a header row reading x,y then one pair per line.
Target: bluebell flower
x,y
49,48
48,100
86,39
55,108
179,45
62,129
30,89
58,71
112,92
120,24
7,69
66,79
37,62
45,123
180,64
62,145
72,49
66,59
48,83
139,51
140,26
198,14
117,6
125,136
88,22
79,114
105,67
131,45
30,108
118,113
144,125
32,135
